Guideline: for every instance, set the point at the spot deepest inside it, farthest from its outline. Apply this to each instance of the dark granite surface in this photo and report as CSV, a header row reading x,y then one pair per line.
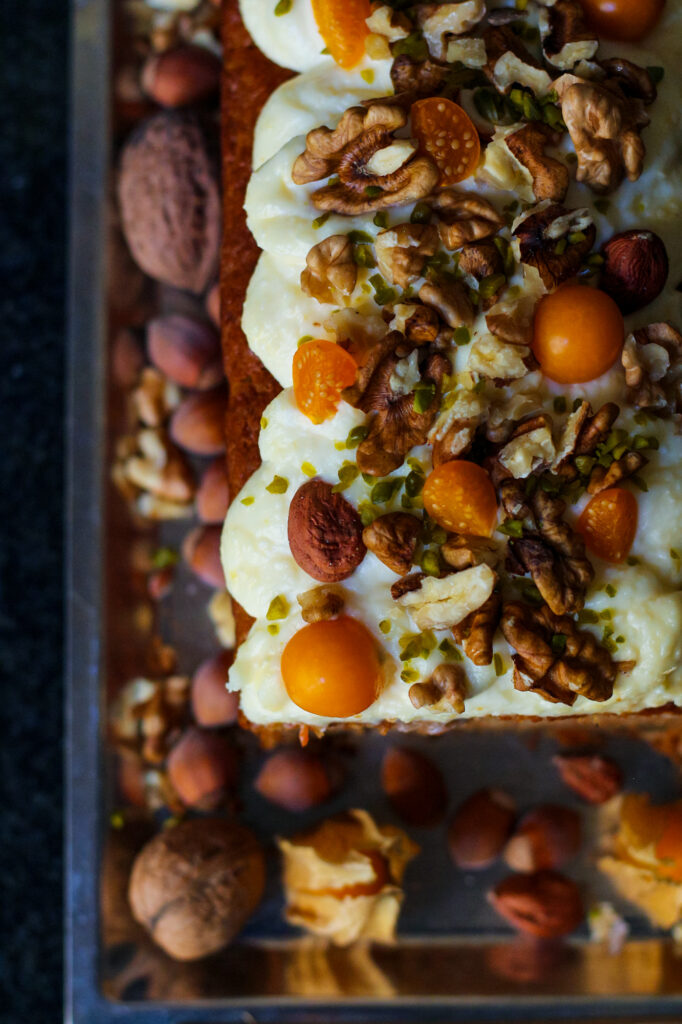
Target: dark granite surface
x,y
33,72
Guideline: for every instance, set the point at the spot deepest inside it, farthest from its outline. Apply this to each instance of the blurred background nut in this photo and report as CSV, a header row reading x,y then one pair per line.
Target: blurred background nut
x,y
186,349
213,495
594,777
546,837
295,779
194,886
212,303
202,767
413,786
545,903
201,551
198,424
179,77
169,199
480,828
212,704
127,358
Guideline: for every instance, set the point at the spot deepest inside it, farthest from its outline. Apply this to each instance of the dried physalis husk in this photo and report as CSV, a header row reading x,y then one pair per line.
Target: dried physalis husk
x,y
343,879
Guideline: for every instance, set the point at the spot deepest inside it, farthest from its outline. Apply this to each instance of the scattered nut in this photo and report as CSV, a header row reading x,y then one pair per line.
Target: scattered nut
x,y
213,495
444,690
201,551
402,251
545,903
198,424
414,787
186,350
546,837
194,886
527,145
202,768
295,780
127,358
154,398
463,218
594,777
212,703
393,539
325,533
565,36
181,76
440,603
540,233
170,200
635,269
480,829
331,272
320,604
440,21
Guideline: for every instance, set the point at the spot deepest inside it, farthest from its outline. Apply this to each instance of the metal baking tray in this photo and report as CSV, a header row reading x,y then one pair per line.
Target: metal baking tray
x,y
452,961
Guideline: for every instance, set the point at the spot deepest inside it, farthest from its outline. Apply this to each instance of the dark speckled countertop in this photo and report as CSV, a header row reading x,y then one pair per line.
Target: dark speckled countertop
x,y
33,72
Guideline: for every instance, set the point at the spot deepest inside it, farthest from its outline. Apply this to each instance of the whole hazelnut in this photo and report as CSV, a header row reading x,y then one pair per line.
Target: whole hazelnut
x,y
202,767
414,786
201,551
635,269
198,424
169,199
213,495
212,703
186,349
194,886
480,828
212,303
546,837
181,76
294,779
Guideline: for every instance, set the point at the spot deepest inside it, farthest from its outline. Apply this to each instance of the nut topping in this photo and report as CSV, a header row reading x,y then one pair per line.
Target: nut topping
x,y
475,634
331,272
320,604
325,533
480,828
451,302
438,21
544,903
541,666
652,359
565,36
444,690
635,269
464,218
527,145
402,251
442,603
453,432
593,777
509,62
539,236
393,539
546,837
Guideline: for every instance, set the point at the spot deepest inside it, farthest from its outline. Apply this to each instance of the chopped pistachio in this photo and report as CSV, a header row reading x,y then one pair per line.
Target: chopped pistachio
x,y
368,513
559,404
498,664
380,219
248,501
263,422
602,205
639,482
278,485
409,675
450,651
278,608
421,214
373,191
308,469
367,75
363,256
382,293
611,590
163,558
511,527
430,562
561,246
631,560
385,626
424,394
356,237
575,237
283,7
461,335
273,629
588,616
356,435
385,489
348,472
414,484
322,219
558,643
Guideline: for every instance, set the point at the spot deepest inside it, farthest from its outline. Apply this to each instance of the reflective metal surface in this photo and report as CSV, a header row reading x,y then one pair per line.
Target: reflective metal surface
x,y
452,961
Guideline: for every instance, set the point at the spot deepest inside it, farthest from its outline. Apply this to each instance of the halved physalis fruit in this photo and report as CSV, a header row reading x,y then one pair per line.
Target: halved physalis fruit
x,y
651,834
578,333
448,135
342,26
331,668
624,20
460,497
608,523
321,370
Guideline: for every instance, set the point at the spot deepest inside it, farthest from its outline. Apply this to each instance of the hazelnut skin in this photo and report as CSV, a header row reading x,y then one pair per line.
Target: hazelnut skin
x,y
186,350
480,828
546,837
635,269
212,703
201,551
181,76
198,423
194,886
213,495
294,779
413,786
212,303
202,768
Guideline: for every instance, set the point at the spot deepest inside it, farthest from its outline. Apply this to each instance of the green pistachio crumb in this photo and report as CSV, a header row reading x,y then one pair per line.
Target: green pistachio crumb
x,y
357,237
308,469
248,501
356,435
588,616
382,293
273,629
363,256
421,214
447,648
559,404
602,205
511,527
461,335
278,608
373,191
367,75
385,626
611,590
424,394
263,422
283,7
430,562
384,490
409,675
498,664
559,643
278,485
380,219
163,558
631,560
322,219
639,482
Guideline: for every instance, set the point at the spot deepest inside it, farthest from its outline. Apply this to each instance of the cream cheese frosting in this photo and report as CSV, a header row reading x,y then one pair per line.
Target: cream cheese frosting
x,y
643,603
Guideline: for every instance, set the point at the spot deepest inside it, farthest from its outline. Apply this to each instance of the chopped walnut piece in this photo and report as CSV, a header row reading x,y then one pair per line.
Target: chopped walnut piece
x,y
453,432
581,435
604,126
462,551
386,22
155,397
463,217
510,62
555,557
475,634
480,259
441,603
402,251
528,450
438,21
393,539
348,150
444,690
513,499
511,328
652,359
420,324
407,584
451,302
527,145
633,80
331,272
565,36
321,603
368,354
539,235
496,360
413,80
621,469
397,426
556,672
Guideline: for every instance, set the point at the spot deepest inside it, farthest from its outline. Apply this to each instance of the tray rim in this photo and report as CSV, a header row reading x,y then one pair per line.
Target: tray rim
x,y
89,166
